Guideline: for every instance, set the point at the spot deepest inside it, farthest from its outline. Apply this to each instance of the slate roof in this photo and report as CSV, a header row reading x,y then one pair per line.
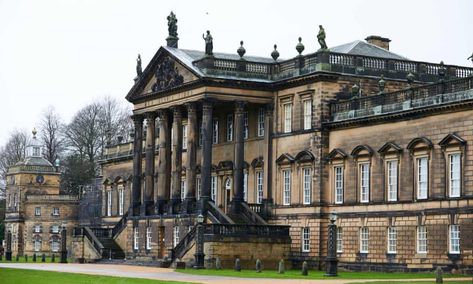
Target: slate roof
x,y
359,47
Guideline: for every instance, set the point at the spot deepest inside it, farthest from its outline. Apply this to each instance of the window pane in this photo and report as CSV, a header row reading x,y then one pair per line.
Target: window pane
x,y
422,178
364,182
392,180
307,114
454,181
307,181
286,187
338,185
287,118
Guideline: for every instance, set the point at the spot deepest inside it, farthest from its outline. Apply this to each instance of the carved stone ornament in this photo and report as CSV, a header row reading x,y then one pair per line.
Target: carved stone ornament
x,y
167,76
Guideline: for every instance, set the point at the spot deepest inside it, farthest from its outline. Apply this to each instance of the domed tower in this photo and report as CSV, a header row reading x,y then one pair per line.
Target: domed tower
x,y
32,181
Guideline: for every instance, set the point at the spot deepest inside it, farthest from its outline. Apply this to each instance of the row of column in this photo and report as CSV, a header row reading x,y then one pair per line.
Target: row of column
x,y
169,166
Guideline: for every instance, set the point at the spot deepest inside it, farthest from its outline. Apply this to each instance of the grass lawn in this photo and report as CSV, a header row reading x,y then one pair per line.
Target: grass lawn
x,y
417,282
313,274
25,276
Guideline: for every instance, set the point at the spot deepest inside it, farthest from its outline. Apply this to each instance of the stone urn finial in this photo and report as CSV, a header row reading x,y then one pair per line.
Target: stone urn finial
x,y
300,47
410,78
241,50
275,53
381,84
355,90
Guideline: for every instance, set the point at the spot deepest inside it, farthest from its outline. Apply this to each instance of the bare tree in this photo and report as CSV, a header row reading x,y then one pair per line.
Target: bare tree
x,y
51,132
14,150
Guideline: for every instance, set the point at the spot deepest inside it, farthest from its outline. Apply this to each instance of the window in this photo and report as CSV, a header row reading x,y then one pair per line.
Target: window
x,y
307,181
230,127
260,122
287,118
183,189
339,239
421,239
213,188
55,244
245,186
286,187
364,183
392,180
215,132
176,236
199,187
364,239
55,229
121,200
454,175
338,184
37,244
136,236
201,135
9,198
392,240
56,211
37,211
259,187
307,114
37,229
245,125
148,238
306,239
36,151
184,137
109,202
422,178
454,239
15,200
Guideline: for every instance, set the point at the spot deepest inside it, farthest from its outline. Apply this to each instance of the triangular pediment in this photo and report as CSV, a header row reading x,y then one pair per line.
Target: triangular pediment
x,y
452,139
285,158
390,147
164,73
336,154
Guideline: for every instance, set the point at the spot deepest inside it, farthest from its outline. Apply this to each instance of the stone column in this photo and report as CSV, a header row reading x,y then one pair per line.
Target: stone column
x,y
238,165
149,164
63,245
192,140
176,160
268,155
206,165
137,151
164,161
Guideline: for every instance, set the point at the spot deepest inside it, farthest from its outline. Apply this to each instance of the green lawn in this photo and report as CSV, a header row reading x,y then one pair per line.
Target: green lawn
x,y
314,274
25,276
417,282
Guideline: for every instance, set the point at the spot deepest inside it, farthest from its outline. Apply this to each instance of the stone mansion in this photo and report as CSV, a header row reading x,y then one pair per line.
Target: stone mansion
x,y
267,148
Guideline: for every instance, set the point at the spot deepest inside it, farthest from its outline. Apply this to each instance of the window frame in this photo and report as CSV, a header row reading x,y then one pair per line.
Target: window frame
x,y
229,127
121,199
215,131
339,243
246,132
136,238
418,181
213,188
260,122
259,186
287,117
305,240
342,182
421,242
286,186
184,136
361,179
454,248
307,114
392,240
307,192
56,211
175,236
392,194
149,236
449,173
37,211
364,239
109,203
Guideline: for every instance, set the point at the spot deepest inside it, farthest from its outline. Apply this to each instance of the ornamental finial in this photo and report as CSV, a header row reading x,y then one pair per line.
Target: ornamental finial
x,y
34,133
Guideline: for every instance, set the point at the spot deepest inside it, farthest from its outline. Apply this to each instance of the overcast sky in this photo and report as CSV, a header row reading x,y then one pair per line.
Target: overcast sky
x,y
67,53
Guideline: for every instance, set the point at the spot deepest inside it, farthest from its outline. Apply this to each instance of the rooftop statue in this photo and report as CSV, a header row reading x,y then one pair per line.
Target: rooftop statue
x,y
471,57
208,43
172,25
321,38
139,70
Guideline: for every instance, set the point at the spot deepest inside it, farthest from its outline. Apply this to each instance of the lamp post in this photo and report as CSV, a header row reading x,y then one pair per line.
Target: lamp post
x,y
199,250
331,260
8,252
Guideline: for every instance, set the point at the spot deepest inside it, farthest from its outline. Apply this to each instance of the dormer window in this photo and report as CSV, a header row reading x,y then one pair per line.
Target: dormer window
x,y
36,151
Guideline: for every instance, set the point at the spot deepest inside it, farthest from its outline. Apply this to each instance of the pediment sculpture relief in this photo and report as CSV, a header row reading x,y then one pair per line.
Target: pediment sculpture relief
x,y
167,76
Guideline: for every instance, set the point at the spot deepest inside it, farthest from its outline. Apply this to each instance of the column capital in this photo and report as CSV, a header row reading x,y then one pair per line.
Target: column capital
x,y
207,104
240,106
191,107
137,118
176,111
162,113
150,115
269,108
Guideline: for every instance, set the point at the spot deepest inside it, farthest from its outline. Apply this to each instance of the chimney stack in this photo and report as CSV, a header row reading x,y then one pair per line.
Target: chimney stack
x,y
382,42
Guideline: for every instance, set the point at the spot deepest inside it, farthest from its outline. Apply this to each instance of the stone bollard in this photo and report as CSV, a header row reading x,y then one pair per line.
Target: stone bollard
x,y
43,258
34,257
258,266
53,258
218,263
281,268
237,265
305,268
26,258
438,275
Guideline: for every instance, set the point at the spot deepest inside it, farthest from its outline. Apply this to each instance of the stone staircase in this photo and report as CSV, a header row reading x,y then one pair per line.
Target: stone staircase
x,y
110,249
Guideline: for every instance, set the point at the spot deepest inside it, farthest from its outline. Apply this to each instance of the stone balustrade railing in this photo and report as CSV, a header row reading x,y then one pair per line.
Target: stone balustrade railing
x,y
330,61
429,95
52,197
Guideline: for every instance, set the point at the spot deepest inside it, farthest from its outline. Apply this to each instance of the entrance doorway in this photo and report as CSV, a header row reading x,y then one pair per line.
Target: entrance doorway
x,y
228,193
